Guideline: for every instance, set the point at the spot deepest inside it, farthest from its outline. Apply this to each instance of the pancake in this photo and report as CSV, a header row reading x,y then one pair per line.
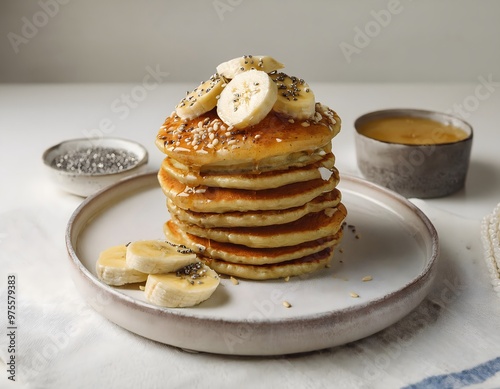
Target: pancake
x,y
210,199
229,252
207,142
310,227
296,267
249,175
277,162
329,199
257,181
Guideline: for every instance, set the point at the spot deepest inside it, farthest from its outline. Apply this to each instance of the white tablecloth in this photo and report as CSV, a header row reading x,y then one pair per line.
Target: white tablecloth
x,y
450,340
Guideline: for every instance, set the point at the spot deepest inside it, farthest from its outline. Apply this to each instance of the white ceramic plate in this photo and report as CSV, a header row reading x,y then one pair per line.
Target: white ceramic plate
x,y
393,242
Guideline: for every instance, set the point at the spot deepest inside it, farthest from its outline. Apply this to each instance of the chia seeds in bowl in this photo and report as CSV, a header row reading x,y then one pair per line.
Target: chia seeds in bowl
x,y
84,166
95,160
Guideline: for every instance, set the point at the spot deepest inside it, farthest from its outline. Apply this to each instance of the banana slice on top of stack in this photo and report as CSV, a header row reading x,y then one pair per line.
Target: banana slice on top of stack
x,y
249,172
173,274
246,89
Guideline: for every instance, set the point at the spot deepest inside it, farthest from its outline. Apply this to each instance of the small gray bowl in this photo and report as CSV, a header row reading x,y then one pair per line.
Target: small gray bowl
x,y
83,183
423,171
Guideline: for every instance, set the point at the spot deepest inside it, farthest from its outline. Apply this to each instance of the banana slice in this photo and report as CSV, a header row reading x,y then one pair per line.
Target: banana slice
x,y
202,99
189,286
295,98
158,256
247,99
239,65
111,267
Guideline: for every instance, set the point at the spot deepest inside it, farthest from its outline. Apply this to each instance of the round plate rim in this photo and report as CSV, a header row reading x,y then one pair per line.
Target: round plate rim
x,y
426,273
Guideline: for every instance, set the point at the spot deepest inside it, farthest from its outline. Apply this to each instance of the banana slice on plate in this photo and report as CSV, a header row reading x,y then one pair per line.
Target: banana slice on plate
x,y
247,99
295,98
187,287
111,268
158,256
202,99
231,68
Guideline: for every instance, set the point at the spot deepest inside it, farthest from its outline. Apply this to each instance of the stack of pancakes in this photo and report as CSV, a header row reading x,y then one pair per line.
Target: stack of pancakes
x,y
259,202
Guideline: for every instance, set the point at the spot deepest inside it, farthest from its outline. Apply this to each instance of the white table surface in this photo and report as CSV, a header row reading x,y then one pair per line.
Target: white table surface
x,y
454,332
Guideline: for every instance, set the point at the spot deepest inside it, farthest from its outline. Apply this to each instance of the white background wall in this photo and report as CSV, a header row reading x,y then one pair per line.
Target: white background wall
x,y
319,40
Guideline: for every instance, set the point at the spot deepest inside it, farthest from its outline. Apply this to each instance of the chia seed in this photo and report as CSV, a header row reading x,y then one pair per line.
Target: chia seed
x,y
193,271
95,160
